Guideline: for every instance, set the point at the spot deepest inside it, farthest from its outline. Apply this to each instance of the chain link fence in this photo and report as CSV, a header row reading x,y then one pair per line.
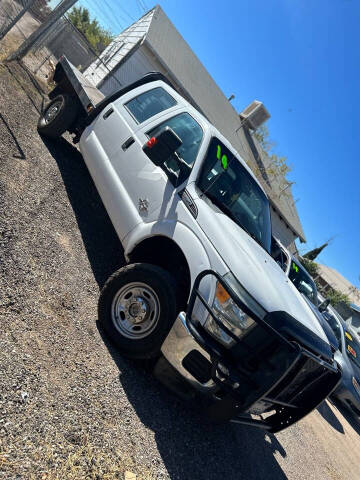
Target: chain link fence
x,y
62,38
18,20
9,11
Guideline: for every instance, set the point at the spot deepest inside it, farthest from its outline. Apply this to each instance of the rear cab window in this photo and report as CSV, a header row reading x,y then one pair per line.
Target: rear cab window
x,y
149,104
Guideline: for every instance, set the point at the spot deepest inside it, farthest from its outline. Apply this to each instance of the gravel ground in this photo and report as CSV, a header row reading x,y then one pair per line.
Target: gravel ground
x,y
70,406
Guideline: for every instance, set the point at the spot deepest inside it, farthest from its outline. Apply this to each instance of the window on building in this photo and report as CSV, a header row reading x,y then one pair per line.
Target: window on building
x,y
150,103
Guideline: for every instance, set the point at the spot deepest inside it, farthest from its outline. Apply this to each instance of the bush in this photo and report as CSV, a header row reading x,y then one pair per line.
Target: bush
x,y
337,297
309,265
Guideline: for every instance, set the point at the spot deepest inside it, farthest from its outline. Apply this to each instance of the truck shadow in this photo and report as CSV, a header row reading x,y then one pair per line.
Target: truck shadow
x,y
189,446
328,415
348,416
102,245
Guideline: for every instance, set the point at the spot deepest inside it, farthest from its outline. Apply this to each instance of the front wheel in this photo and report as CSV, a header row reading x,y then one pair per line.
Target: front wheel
x,y
137,308
58,116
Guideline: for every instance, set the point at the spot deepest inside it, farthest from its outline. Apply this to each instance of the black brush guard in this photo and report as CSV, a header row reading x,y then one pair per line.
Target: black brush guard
x,y
266,371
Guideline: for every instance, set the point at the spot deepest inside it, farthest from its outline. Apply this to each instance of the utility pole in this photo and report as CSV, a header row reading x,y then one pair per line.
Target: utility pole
x,y
14,21
53,17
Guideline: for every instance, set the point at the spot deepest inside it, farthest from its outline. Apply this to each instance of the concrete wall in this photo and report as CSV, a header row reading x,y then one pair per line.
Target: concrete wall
x,y
281,230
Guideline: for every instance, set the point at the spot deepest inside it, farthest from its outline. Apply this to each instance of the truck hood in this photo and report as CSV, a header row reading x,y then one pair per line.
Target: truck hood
x,y
254,268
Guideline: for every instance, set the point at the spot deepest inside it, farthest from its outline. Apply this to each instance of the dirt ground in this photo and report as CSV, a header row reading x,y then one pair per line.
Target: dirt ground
x,y
70,406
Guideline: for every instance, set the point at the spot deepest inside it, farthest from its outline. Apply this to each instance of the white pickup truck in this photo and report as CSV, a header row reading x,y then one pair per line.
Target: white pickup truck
x,y
201,291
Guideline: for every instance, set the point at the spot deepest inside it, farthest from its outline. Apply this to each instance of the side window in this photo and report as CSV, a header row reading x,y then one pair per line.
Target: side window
x,y
150,103
178,167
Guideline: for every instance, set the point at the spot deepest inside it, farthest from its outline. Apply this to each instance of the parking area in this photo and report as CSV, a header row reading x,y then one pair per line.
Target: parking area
x,y
70,406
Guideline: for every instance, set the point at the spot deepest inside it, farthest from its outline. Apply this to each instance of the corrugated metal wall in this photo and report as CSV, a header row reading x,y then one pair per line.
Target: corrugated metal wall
x,y
135,66
280,229
118,49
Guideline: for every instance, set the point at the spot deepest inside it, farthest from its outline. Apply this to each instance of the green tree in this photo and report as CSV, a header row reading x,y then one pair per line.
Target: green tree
x,y
312,254
337,297
333,295
277,164
309,265
262,136
98,37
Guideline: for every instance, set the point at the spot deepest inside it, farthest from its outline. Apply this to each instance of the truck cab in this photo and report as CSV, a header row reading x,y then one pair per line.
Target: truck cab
x,y
201,292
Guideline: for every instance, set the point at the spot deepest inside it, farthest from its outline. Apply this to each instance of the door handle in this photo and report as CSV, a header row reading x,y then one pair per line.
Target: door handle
x,y
108,113
128,143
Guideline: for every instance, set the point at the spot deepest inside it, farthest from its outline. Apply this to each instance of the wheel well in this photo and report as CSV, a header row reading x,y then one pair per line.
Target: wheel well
x,y
165,253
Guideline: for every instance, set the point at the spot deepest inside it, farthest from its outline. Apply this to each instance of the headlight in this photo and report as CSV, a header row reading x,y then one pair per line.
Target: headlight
x,y
226,310
356,385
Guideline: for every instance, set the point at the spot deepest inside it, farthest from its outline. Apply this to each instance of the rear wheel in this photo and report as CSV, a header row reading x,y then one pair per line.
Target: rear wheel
x,y
137,308
58,116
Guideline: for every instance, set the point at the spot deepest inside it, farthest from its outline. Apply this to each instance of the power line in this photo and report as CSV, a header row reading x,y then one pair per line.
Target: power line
x,y
105,13
127,13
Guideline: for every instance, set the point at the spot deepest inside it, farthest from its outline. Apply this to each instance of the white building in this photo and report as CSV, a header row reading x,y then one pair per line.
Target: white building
x,y
153,44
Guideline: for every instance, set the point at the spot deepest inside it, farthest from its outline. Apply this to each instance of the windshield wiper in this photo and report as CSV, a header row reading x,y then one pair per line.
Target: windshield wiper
x,y
222,207
233,217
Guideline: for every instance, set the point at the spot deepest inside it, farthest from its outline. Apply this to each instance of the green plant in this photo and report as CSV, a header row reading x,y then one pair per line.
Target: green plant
x,y
312,254
277,164
309,265
98,37
337,297
333,295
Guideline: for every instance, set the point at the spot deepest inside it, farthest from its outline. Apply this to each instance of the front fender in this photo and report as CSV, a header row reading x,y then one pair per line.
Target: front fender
x,y
198,252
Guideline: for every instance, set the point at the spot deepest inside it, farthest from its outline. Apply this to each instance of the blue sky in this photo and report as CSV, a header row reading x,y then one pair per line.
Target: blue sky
x,y
302,59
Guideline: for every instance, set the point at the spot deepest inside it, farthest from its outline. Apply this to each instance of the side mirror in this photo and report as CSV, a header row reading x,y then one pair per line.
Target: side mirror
x,y
161,147
323,305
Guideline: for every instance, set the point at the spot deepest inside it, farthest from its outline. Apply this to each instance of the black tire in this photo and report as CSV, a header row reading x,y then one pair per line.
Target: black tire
x,y
63,118
160,282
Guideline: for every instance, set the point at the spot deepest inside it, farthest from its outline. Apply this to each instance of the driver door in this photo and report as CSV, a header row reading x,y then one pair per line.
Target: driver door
x,y
152,188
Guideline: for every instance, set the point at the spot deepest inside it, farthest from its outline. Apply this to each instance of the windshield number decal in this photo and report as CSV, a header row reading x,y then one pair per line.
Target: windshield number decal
x,y
352,351
295,267
347,334
224,159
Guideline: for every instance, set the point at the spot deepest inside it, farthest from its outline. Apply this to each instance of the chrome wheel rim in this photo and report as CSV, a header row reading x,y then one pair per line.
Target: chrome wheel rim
x,y
135,310
52,111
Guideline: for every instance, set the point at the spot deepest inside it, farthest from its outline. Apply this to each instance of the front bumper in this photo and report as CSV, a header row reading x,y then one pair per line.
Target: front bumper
x,y
178,345
278,381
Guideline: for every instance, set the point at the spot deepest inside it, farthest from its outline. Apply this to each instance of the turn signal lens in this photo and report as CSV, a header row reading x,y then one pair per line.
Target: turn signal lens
x,y
356,385
230,315
150,143
221,294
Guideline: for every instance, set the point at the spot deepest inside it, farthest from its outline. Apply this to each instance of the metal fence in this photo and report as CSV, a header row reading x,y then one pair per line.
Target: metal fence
x,y
12,11
61,38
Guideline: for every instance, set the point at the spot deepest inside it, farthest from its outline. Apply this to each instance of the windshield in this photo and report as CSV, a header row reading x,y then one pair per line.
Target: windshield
x,y
229,186
303,282
352,348
335,326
